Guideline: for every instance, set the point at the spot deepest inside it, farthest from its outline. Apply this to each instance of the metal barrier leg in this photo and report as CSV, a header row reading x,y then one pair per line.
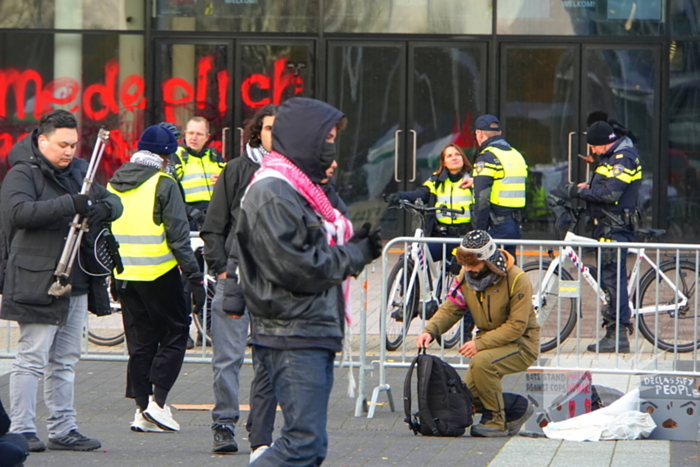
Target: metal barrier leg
x,y
361,401
375,397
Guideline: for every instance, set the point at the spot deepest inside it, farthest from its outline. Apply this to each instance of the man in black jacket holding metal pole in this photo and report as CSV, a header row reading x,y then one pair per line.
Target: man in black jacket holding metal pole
x,y
40,196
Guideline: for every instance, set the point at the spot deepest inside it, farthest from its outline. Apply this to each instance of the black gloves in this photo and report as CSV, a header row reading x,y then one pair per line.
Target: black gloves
x,y
234,302
199,293
573,190
393,199
361,233
80,202
196,216
98,213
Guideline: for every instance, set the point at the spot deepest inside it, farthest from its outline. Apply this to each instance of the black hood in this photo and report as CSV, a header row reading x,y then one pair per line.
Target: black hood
x,y
26,150
301,126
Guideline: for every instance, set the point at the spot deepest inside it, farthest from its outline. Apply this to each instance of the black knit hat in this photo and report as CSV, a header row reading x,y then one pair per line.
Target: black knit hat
x,y
600,134
158,140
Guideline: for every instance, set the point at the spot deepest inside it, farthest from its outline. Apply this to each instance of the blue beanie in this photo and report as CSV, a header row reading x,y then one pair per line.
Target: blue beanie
x,y
158,140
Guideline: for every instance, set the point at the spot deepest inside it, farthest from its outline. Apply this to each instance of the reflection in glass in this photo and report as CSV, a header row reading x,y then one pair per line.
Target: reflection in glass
x,y
408,16
685,18
238,15
271,74
538,112
448,95
365,83
193,80
72,14
622,83
581,17
100,81
683,159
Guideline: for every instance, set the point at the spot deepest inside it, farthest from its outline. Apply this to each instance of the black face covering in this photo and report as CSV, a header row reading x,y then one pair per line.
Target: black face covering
x,y
478,275
327,155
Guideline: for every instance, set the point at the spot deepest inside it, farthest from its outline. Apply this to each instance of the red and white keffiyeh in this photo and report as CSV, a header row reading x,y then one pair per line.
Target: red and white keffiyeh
x,y
338,227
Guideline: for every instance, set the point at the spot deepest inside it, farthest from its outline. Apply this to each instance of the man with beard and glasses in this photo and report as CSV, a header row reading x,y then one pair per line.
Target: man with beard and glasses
x,y
499,296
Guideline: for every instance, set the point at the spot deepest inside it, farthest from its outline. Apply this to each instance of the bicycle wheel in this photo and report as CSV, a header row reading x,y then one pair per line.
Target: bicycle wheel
x,y
453,336
684,318
107,330
554,328
198,317
400,306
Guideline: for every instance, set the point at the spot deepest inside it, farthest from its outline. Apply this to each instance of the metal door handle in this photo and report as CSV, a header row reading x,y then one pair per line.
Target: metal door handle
x,y
241,145
415,143
396,155
571,133
588,153
223,142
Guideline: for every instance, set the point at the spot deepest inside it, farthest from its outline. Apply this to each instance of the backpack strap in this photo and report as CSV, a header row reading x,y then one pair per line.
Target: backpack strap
x,y
415,427
425,369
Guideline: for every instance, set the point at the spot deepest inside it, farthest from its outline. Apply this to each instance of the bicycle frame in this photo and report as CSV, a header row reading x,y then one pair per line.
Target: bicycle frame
x,y
568,252
422,265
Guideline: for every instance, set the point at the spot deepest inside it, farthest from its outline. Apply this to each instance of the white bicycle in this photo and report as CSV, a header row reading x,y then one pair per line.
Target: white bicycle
x,y
663,304
417,285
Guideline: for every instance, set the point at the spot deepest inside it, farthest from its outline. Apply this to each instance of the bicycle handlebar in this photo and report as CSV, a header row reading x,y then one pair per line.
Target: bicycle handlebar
x,y
443,208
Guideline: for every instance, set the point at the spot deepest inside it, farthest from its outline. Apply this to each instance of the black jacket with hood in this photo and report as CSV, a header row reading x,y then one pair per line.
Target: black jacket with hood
x,y
168,209
37,209
223,211
291,277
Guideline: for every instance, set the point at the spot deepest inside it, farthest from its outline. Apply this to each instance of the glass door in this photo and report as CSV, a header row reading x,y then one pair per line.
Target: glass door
x,y
548,95
405,101
367,82
269,72
193,78
623,82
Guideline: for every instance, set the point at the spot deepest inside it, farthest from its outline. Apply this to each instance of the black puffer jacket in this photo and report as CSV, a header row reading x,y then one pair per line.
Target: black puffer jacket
x,y
36,211
290,275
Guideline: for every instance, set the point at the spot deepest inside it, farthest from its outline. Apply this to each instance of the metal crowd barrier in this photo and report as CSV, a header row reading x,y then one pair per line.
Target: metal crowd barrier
x,y
665,297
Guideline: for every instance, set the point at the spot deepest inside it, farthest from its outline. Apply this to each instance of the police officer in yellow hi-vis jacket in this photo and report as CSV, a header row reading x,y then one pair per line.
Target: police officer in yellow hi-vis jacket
x,y
500,173
153,236
197,166
443,188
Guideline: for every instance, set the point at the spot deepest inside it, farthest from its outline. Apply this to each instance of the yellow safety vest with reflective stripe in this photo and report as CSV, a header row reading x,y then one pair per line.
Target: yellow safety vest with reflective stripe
x,y
450,194
195,175
508,188
142,243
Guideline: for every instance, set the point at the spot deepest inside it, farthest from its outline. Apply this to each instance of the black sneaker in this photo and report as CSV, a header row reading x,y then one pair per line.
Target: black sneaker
x,y
223,440
73,441
35,444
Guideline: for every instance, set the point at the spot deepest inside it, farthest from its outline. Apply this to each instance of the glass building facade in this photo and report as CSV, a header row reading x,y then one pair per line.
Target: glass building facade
x,y
410,75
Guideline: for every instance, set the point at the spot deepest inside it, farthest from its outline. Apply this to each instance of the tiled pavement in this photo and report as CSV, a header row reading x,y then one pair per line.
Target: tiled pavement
x,y
384,440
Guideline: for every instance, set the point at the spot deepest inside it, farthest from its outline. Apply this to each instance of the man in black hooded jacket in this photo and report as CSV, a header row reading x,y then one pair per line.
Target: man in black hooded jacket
x,y
40,196
291,276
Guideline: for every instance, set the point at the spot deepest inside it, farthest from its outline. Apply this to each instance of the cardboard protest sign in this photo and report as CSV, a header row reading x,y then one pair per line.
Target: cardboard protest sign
x,y
673,402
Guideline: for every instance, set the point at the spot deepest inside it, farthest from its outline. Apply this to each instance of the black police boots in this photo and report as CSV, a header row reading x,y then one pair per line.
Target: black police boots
x,y
608,343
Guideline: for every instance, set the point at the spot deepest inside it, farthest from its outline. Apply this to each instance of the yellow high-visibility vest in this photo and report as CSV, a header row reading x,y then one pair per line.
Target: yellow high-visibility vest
x,y
195,175
142,243
450,194
508,188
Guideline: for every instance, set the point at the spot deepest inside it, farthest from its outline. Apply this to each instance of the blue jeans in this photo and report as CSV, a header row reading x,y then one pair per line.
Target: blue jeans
x,y
228,337
302,380
507,230
48,352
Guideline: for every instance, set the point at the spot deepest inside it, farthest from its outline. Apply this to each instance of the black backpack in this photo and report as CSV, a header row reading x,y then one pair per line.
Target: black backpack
x,y
445,404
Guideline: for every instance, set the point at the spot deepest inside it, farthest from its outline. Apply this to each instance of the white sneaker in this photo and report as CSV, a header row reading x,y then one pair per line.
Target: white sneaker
x,y
161,417
141,425
257,453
